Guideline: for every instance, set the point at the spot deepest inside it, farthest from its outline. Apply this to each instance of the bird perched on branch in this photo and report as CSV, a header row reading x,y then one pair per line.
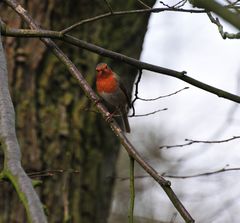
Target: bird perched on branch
x,y
111,89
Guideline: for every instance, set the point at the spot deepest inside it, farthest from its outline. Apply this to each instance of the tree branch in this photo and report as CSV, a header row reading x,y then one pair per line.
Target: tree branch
x,y
123,58
50,173
147,114
13,170
128,12
190,142
166,185
211,5
201,174
109,6
144,4
204,174
163,96
136,90
220,28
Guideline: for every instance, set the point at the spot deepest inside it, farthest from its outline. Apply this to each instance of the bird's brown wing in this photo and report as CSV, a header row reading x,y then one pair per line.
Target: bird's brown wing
x,y
122,87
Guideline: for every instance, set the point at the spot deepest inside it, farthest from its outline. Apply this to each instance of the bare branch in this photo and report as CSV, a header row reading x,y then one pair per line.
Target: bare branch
x,y
144,4
166,185
222,170
147,114
47,173
164,96
233,5
123,58
109,6
225,13
202,174
13,170
180,4
175,6
142,65
190,142
136,97
164,4
128,12
95,18
220,28
136,91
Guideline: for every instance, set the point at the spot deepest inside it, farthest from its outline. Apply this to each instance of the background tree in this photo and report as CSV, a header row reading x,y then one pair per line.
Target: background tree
x,y
55,127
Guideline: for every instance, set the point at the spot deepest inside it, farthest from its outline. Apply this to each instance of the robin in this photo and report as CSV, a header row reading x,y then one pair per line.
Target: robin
x,y
112,90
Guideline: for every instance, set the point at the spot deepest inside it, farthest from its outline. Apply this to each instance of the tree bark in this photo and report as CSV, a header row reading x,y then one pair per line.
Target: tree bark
x,y
56,127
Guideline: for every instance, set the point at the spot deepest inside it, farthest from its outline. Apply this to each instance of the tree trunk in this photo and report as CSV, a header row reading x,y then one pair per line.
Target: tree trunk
x,y
57,130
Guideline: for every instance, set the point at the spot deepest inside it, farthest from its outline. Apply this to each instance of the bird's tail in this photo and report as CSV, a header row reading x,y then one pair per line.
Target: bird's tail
x,y
125,121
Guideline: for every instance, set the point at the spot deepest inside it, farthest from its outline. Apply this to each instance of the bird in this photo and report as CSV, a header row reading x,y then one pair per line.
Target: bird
x,y
111,89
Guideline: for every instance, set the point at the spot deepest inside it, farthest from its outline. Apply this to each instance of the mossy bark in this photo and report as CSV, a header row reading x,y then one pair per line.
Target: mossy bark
x,y
55,126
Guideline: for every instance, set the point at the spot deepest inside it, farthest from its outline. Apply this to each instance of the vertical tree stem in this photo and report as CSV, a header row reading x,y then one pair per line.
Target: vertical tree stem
x,y
132,190
13,170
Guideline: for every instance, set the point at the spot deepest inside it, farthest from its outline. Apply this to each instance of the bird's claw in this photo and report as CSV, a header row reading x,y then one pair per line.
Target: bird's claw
x,y
96,102
109,117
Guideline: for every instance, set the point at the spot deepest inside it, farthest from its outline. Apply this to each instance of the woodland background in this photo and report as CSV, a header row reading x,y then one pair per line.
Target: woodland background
x,y
54,130
67,145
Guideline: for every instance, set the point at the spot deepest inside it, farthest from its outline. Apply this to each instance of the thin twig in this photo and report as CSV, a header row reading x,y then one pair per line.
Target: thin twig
x,y
175,6
233,5
216,7
95,18
190,142
136,91
163,96
128,12
164,4
109,6
201,174
50,173
43,172
222,170
180,4
130,116
147,114
220,28
144,4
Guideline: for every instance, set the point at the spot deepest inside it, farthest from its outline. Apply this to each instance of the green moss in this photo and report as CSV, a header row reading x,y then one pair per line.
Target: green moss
x,y
37,183
2,176
21,195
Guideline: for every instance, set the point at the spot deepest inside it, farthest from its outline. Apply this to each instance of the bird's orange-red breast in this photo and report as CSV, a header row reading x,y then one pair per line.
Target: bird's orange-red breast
x,y
111,89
